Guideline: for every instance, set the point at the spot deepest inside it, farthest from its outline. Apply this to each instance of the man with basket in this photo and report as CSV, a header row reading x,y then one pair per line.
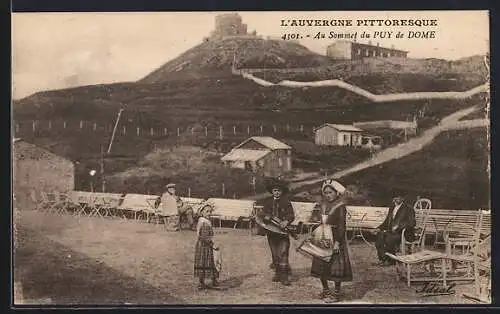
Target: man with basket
x,y
275,217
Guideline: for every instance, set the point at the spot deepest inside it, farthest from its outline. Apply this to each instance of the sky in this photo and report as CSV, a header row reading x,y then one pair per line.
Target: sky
x,y
59,50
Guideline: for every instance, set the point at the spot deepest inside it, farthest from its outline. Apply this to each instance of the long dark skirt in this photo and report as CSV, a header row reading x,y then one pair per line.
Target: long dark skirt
x,y
337,269
204,265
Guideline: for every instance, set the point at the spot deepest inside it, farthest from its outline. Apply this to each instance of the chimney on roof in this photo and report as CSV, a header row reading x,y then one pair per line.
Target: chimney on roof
x,y
369,42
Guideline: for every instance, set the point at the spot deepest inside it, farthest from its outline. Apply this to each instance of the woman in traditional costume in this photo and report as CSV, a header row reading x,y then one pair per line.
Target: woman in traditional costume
x,y
331,234
205,265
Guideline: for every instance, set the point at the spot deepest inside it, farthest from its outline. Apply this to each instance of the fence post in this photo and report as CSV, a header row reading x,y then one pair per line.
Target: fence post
x,y
192,130
221,132
94,127
234,129
302,128
288,127
124,130
34,126
274,128
151,132
189,192
165,132
206,132
223,189
178,132
138,131
81,124
64,124
261,129
50,124
248,130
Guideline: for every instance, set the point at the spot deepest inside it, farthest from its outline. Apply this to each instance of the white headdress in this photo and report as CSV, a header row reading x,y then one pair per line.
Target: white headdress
x,y
334,185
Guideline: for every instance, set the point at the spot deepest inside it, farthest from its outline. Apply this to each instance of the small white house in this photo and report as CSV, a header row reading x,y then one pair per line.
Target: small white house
x,y
261,154
337,135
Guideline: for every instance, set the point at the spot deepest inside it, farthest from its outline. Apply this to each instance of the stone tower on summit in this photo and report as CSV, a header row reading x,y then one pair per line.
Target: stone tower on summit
x,y
228,24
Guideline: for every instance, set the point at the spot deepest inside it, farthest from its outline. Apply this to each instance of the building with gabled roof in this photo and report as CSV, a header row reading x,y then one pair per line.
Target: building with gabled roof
x,y
262,154
38,169
330,134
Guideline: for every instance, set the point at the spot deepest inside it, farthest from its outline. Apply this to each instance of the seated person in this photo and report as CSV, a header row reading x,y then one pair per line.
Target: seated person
x,y
172,205
400,216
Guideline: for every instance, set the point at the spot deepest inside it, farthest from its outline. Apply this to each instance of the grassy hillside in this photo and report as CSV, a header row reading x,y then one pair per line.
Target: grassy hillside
x,y
190,167
391,75
197,90
244,52
452,172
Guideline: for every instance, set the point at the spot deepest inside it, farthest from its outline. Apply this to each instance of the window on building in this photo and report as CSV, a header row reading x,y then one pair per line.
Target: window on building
x,y
280,162
260,163
367,53
359,52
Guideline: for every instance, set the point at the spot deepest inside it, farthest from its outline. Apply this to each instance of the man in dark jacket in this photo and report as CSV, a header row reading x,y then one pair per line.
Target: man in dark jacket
x,y
400,216
280,207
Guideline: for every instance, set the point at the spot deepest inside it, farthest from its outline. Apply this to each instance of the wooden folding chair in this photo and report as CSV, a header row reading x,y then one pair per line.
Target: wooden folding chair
x,y
482,271
464,236
85,203
419,266
49,202
64,205
422,209
35,200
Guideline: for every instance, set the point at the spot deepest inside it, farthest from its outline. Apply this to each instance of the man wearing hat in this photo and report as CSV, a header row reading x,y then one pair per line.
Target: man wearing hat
x,y
400,216
171,205
280,207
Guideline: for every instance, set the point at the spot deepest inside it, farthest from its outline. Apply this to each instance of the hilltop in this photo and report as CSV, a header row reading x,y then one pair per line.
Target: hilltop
x,y
199,84
243,52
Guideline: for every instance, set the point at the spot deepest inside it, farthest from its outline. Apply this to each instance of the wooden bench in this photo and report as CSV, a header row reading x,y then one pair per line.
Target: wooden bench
x,y
441,219
139,205
303,211
231,210
365,218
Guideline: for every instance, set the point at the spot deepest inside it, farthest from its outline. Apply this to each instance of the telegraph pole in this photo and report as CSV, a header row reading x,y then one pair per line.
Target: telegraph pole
x,y
114,130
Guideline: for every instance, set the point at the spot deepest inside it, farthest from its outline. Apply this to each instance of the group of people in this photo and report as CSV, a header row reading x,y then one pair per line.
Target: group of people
x,y
329,234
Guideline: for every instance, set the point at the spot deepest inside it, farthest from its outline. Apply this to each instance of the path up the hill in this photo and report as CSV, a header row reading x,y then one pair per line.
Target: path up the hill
x,y
450,122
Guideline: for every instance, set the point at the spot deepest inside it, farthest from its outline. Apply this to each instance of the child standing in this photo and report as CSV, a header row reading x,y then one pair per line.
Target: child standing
x,y
204,263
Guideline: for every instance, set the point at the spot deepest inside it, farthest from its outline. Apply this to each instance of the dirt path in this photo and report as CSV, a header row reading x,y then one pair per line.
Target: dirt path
x,y
374,98
62,259
450,122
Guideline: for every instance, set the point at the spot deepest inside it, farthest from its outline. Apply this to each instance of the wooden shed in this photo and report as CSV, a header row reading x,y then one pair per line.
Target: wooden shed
x,y
261,154
337,135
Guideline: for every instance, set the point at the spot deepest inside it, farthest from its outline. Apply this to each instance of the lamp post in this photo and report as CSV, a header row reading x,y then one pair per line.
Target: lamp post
x,y
92,173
